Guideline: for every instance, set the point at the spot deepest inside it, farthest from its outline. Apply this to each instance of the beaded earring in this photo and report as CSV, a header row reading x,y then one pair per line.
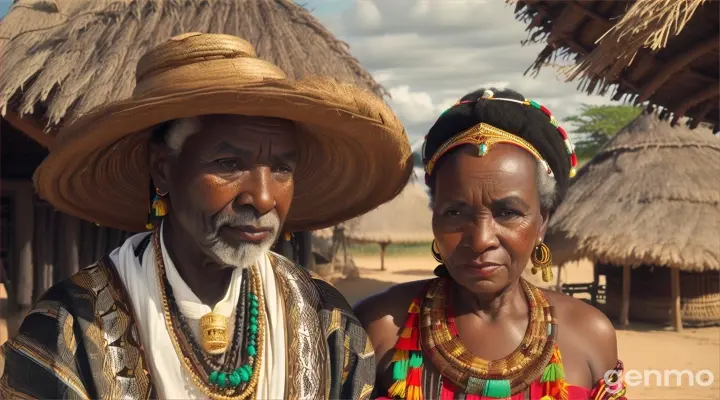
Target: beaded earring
x,y
158,207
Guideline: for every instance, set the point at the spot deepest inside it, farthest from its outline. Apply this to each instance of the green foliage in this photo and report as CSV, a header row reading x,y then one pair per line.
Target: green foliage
x,y
593,126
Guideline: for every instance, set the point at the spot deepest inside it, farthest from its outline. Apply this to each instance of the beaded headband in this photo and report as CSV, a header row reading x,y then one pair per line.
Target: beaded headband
x,y
484,136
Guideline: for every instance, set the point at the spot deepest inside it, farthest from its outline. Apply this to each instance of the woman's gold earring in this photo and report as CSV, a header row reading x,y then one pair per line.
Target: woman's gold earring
x,y
541,260
435,252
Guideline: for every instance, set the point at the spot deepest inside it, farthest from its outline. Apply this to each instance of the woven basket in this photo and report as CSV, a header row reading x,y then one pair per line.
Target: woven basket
x,y
650,299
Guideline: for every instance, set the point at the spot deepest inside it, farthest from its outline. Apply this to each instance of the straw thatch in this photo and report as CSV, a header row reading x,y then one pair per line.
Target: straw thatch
x,y
405,219
61,58
661,51
651,196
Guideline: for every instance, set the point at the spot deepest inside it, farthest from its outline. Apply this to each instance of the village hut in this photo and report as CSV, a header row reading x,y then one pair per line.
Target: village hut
x,y
646,211
62,58
407,219
664,52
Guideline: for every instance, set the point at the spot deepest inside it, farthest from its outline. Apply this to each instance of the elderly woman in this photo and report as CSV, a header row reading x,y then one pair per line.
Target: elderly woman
x,y
497,165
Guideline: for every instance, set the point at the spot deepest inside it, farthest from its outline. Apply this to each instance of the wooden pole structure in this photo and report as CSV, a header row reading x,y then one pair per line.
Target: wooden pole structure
x,y
596,284
675,293
70,248
383,246
558,282
24,205
625,310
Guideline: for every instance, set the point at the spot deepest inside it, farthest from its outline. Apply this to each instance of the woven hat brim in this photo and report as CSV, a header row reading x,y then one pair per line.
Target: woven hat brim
x,y
356,157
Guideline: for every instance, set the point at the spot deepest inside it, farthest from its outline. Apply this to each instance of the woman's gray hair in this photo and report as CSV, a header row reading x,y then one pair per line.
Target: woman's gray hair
x,y
547,188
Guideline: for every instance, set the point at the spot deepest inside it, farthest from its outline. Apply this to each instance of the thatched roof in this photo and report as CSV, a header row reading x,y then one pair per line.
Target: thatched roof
x,y
651,196
405,219
61,58
661,51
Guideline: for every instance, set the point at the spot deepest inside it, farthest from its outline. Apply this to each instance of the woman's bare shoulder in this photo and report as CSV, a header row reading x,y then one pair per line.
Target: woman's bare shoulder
x,y
589,328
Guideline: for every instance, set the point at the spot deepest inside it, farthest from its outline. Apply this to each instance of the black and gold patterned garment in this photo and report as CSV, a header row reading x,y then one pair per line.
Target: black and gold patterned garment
x,y
80,341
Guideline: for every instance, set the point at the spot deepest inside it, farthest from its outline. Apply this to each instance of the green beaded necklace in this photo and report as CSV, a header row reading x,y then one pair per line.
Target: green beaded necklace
x,y
242,374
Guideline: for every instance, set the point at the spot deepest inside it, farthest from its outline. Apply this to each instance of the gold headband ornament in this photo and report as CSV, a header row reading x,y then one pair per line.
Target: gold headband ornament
x,y
484,136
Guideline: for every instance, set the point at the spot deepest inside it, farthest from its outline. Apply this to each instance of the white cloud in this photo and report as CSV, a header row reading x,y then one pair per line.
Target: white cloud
x,y
429,53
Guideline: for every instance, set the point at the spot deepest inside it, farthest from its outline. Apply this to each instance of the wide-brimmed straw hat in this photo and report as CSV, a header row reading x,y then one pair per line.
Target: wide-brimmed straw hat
x,y
355,152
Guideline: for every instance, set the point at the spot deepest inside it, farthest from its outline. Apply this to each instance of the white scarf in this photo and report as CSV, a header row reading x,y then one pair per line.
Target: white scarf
x,y
169,376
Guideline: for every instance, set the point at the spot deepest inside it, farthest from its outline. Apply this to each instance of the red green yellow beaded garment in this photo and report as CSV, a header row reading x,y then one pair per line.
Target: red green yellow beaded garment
x,y
534,371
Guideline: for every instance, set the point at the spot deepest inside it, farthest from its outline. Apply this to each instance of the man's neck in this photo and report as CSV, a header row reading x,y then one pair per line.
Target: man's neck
x,y
208,279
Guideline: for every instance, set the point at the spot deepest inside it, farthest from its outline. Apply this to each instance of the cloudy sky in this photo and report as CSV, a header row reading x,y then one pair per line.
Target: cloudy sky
x,y
429,53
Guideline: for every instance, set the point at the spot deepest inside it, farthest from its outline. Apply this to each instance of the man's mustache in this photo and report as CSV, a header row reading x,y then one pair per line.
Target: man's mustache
x,y
248,217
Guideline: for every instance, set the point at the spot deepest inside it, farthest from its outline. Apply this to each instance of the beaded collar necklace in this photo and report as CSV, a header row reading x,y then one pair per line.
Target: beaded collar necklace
x,y
219,384
430,333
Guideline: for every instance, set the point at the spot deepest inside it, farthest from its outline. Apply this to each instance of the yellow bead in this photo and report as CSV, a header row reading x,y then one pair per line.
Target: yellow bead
x,y
573,172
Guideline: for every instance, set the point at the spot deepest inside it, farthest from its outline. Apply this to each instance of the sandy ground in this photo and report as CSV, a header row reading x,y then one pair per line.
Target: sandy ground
x,y
641,347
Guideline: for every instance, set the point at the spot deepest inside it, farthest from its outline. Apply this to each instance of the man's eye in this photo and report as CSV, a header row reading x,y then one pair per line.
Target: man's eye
x,y
227,163
508,213
284,169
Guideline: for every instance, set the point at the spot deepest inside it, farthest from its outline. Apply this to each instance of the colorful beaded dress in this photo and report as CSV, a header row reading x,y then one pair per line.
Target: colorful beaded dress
x,y
431,362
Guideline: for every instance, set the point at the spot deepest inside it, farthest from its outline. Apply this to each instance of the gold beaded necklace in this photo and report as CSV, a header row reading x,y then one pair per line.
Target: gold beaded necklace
x,y
442,343
208,390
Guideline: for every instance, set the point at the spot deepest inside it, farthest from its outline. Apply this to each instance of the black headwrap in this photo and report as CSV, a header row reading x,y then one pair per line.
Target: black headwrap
x,y
523,121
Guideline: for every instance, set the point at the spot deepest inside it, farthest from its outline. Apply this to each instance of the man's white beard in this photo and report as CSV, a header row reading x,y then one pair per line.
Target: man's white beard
x,y
242,256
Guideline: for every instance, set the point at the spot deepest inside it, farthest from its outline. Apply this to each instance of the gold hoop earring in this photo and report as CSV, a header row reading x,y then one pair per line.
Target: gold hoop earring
x,y
435,252
542,259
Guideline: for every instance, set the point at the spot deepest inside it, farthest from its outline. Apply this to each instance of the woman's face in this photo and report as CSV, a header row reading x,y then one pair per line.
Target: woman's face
x,y
486,216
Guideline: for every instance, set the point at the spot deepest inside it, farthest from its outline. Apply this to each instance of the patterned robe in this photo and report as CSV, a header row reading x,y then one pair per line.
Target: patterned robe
x,y
80,341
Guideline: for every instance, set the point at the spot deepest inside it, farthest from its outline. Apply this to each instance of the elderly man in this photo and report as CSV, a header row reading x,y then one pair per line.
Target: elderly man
x,y
234,154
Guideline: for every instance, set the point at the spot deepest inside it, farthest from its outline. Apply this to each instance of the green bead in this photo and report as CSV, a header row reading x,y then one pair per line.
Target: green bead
x,y
254,312
214,378
222,380
251,351
254,303
482,149
253,320
234,379
248,368
253,297
243,374
534,104
253,328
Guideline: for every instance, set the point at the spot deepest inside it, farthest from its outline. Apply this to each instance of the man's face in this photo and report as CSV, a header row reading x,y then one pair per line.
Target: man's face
x,y
231,185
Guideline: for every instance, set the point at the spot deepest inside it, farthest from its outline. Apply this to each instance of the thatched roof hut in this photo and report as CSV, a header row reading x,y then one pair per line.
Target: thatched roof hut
x,y
661,51
62,58
649,199
407,219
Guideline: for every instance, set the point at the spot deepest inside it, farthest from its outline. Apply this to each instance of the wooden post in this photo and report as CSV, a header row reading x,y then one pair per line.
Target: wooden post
x,y
24,223
383,246
596,284
69,249
625,310
675,293
40,236
558,283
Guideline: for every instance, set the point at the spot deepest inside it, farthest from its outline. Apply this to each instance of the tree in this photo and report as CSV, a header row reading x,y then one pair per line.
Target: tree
x,y
593,126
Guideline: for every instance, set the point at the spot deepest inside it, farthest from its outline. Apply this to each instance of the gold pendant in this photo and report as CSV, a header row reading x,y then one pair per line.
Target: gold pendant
x,y
214,336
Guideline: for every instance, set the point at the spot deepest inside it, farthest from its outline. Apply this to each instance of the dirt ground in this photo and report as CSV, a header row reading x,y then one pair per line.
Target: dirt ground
x,y
641,347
